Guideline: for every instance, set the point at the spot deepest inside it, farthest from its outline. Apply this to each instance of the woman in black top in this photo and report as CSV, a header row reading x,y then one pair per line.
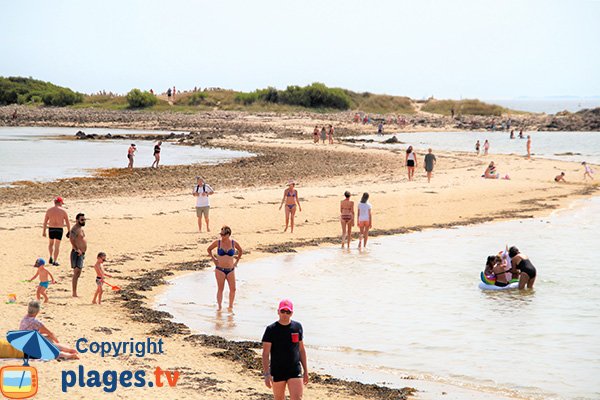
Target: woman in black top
x,y
156,153
520,262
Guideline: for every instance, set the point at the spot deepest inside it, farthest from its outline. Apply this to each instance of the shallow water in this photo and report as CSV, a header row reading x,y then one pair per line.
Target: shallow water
x,y
584,146
35,154
410,305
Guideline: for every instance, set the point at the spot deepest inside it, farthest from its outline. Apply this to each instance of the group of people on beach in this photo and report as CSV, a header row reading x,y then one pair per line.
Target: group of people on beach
x,y
323,134
133,149
55,220
511,265
486,145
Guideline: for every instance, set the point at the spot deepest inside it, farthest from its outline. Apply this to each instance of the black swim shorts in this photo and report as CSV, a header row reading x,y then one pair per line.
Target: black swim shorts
x,y
285,377
410,163
55,233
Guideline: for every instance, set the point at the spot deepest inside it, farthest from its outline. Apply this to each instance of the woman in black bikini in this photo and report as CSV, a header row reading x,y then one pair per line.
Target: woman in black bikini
x,y
346,218
225,263
156,154
520,262
290,198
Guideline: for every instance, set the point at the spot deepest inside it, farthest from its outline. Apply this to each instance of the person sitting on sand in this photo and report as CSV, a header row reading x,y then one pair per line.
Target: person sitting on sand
x,y
490,172
588,171
225,264
290,198
346,218
522,267
560,177
43,273
364,220
130,154
31,323
100,274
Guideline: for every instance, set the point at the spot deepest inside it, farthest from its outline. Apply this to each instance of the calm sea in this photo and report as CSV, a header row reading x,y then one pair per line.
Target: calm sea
x,y
548,106
410,305
36,154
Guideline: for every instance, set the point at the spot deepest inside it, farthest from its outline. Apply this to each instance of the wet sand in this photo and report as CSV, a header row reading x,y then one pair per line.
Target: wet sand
x,y
145,221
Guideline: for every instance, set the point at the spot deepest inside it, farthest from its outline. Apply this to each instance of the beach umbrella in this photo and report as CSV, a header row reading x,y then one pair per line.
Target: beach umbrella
x,y
33,344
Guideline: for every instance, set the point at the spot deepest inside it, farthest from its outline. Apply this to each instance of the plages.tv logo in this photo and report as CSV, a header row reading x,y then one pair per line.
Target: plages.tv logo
x,y
18,382
110,380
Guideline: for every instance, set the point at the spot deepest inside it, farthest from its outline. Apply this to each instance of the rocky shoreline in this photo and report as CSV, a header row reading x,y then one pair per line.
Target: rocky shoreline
x,y
283,125
242,352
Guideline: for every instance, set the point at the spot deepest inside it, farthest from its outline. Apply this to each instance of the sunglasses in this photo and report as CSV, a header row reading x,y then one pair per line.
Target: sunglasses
x,y
285,311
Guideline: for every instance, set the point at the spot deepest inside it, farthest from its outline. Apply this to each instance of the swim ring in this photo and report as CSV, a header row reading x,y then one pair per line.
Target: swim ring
x,y
488,283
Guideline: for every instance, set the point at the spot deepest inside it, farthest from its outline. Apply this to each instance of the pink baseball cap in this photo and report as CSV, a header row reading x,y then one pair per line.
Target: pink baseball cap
x,y
286,304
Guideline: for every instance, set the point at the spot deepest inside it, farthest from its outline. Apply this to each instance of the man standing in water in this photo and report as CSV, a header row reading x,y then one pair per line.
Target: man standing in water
x,y
79,243
282,343
55,219
430,161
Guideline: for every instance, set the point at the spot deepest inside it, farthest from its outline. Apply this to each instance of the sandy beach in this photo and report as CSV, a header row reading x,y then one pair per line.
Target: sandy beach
x,y
145,221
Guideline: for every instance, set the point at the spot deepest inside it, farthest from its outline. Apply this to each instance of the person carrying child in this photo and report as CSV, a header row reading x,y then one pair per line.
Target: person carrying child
x,y
43,273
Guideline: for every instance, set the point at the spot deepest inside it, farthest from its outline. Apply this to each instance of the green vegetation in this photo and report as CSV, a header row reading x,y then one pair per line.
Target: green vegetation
x,y
138,99
316,95
381,103
462,107
17,90
196,99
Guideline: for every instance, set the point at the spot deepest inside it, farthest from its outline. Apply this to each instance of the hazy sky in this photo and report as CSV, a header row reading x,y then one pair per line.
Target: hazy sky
x,y
449,48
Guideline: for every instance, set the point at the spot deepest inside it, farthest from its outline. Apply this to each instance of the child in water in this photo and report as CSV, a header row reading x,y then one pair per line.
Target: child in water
x,y
100,274
43,273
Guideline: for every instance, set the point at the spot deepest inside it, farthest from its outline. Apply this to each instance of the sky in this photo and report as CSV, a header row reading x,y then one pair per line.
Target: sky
x,y
446,49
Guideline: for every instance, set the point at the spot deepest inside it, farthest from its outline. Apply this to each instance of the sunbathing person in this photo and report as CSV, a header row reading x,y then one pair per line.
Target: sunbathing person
x,y
31,323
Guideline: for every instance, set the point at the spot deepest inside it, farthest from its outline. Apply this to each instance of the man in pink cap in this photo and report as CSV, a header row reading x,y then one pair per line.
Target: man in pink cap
x,y
282,343
55,219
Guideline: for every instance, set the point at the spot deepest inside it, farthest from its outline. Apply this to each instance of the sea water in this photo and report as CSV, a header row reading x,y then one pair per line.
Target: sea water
x,y
568,146
39,154
410,305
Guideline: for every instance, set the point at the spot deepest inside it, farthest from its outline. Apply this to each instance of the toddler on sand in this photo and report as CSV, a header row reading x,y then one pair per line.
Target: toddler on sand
x,y
43,273
100,274
588,171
